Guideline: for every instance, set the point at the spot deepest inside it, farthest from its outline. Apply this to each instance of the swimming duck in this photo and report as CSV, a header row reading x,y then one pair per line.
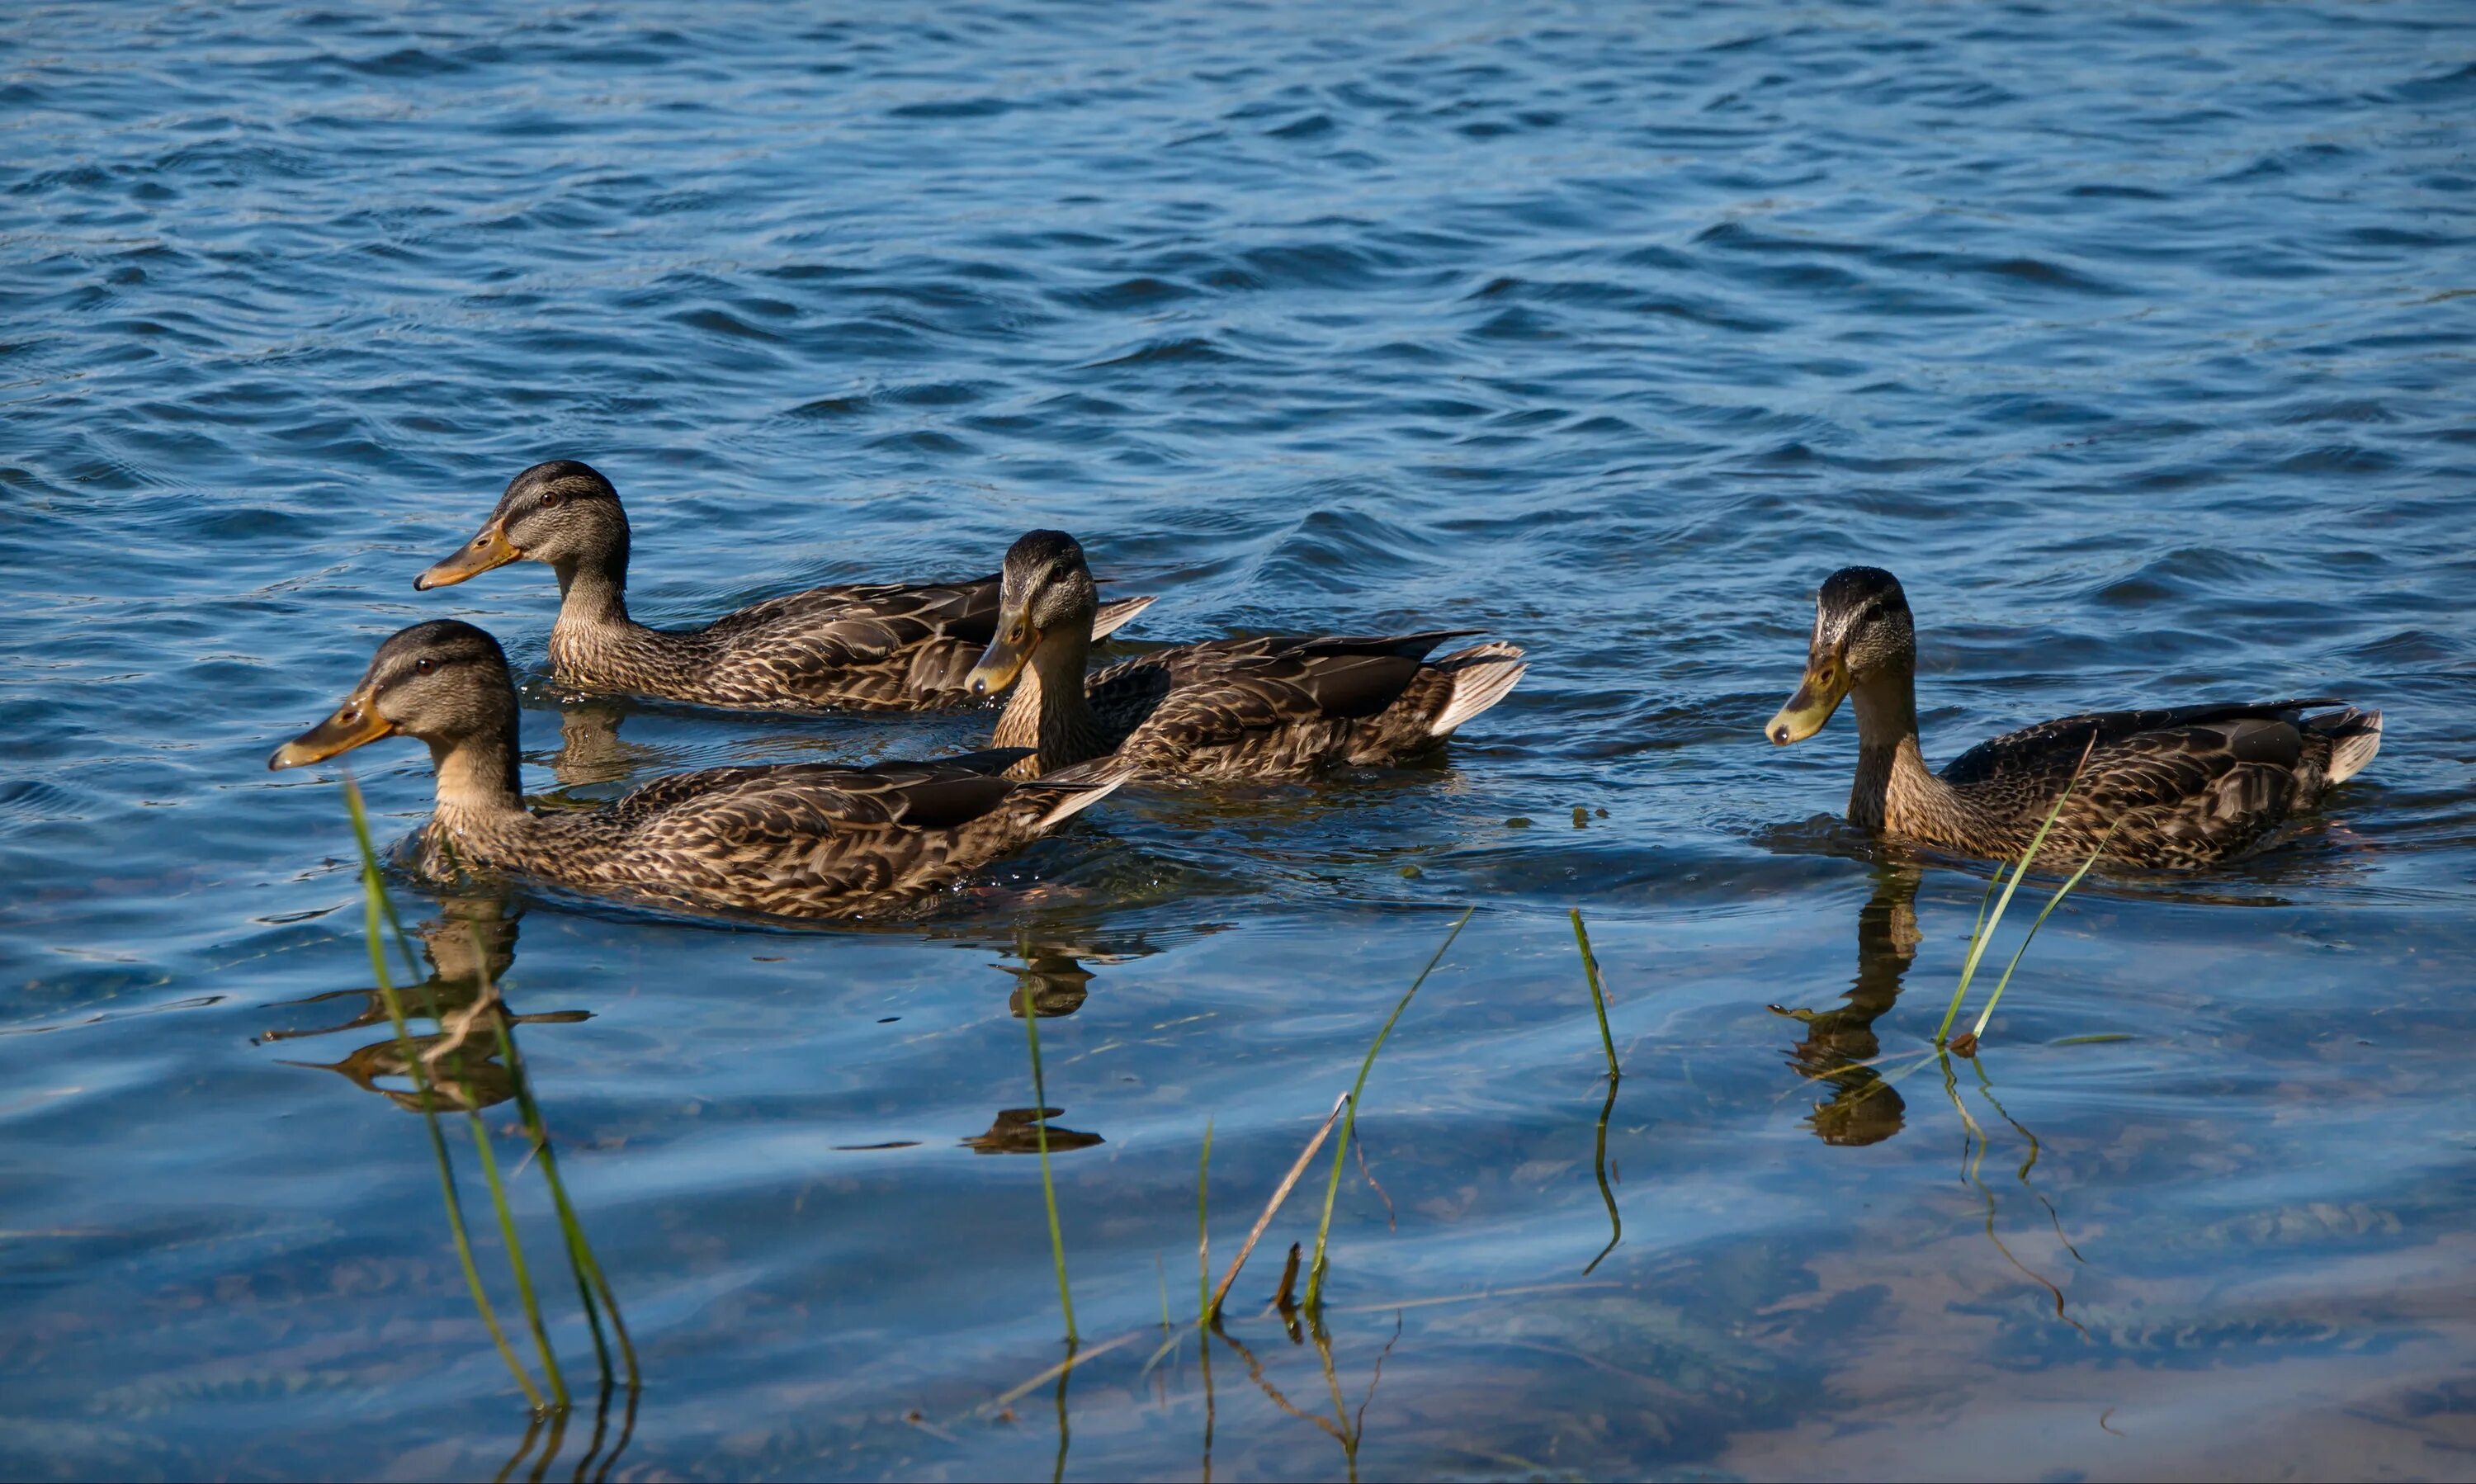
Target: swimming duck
x,y
1272,707
870,647
2174,788
792,839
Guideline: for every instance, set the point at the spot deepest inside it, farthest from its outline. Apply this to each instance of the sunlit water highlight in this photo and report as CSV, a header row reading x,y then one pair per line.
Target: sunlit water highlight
x,y
2135,342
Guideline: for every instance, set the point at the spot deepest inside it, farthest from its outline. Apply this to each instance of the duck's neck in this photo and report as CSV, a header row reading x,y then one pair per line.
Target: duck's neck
x,y
477,783
595,641
1891,774
593,592
1048,711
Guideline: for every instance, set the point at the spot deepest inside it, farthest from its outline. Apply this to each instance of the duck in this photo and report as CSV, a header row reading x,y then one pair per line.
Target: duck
x,y
877,647
796,840
1274,708
2174,788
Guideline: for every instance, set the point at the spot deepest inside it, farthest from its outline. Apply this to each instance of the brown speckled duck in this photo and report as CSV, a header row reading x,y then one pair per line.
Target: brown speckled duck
x,y
791,839
2178,788
1276,707
874,647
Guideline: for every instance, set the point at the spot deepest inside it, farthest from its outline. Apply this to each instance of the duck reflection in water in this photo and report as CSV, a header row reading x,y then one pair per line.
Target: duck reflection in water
x,y
1862,1107
589,748
1051,982
470,946
1015,1133
1051,979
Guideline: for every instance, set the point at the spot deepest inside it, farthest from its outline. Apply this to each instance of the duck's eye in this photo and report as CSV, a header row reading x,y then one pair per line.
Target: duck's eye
x,y
550,502
424,665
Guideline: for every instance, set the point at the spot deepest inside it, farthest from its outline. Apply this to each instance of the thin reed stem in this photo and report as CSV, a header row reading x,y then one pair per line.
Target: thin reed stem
x,y
582,1263
1332,1185
2052,903
516,1264
1280,1193
1203,1231
1984,933
1047,1186
374,902
1598,995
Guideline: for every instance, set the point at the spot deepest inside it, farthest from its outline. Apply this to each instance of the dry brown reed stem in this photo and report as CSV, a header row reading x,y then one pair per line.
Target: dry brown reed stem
x,y
1288,1181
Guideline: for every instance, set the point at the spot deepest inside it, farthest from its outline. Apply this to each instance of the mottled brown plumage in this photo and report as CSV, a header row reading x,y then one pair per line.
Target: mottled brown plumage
x,y
792,839
2172,788
866,647
1272,707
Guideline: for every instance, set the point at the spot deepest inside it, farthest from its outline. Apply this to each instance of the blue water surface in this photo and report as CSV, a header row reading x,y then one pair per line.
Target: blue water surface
x,y
2134,339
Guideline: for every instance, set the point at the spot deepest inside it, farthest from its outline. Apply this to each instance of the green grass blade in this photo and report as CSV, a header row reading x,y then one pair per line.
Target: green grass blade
x,y
374,902
2052,903
1047,1186
1350,1125
580,1260
1598,995
516,1264
1203,1231
372,883
1984,934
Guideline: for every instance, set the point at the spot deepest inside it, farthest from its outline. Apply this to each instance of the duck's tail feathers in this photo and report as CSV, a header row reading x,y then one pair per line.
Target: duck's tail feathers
x,y
1084,784
2355,736
1481,676
1113,615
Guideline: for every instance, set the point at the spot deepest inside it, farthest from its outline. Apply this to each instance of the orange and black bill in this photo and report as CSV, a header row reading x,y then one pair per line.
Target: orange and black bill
x,y
1825,683
1006,655
350,724
489,549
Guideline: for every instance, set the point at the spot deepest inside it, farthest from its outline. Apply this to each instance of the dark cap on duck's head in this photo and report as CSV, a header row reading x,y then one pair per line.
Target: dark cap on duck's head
x,y
560,512
440,682
1037,551
1046,587
1848,590
1861,628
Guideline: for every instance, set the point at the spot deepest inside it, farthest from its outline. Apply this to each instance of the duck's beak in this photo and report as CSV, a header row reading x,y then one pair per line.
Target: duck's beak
x,y
1006,655
1826,681
489,549
355,722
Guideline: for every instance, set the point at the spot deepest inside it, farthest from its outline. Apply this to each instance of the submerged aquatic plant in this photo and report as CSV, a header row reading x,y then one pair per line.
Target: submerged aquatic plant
x,y
419,1065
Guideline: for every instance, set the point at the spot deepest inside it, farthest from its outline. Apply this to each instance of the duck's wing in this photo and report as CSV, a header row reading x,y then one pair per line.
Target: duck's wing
x,y
1213,695
750,807
880,646
968,609
2174,787
2046,754
877,646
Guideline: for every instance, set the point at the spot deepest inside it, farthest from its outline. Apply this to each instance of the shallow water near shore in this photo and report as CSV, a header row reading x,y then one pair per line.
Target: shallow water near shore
x,y
2136,343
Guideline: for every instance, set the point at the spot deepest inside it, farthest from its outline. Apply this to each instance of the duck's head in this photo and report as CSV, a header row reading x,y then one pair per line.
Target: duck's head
x,y
561,513
443,682
1860,631
1046,595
